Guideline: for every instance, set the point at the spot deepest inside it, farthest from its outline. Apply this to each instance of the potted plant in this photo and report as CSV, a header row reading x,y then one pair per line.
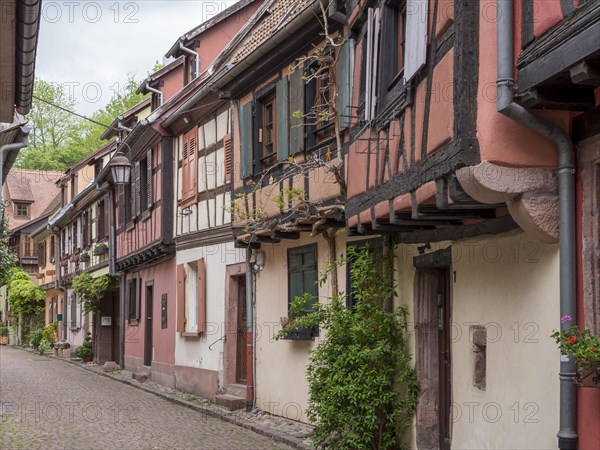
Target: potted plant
x,y
84,257
3,334
584,348
100,249
85,351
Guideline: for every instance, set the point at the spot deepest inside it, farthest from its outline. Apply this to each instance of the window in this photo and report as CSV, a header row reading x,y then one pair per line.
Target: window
x,y
323,97
370,56
145,182
74,237
52,248
101,221
85,232
21,210
73,186
267,135
189,167
41,252
374,245
302,278
191,298
98,165
393,44
133,299
28,247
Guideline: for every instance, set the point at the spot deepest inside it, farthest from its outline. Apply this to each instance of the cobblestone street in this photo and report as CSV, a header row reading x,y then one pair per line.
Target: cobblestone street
x,y
45,403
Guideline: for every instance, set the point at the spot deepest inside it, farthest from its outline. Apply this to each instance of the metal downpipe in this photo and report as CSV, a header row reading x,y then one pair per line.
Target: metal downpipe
x,y
567,434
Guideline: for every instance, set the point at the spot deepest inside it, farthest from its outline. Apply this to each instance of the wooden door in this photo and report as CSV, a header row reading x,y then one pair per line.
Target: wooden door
x,y
241,350
433,357
148,325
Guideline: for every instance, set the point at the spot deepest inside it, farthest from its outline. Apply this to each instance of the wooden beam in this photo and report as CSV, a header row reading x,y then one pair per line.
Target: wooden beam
x,y
285,235
572,99
585,73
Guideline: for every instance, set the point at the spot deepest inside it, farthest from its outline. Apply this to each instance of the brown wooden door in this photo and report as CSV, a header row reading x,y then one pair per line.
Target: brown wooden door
x,y
241,350
148,326
432,334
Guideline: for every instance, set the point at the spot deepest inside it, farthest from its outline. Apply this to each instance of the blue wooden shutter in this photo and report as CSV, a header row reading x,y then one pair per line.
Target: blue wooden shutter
x,y
246,147
283,119
296,91
344,84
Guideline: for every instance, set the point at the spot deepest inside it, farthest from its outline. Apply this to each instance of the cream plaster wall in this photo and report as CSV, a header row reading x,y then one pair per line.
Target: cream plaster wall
x,y
280,386
193,351
510,285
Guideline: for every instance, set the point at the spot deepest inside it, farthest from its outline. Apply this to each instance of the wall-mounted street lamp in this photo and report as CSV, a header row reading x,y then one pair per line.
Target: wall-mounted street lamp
x,y
120,168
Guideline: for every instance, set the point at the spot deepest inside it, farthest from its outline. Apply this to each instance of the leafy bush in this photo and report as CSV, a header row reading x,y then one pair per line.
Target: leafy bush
x,y
362,387
85,349
3,330
43,338
24,297
90,290
35,338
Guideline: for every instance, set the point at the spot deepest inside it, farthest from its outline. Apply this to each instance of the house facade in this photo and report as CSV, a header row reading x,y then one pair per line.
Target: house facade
x,y
80,230
174,300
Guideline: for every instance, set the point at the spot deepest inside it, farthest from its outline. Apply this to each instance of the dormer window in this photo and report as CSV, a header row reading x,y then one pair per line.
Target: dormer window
x,y
21,209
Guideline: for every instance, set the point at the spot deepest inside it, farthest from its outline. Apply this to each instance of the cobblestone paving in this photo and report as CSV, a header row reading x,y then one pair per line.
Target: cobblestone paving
x,y
45,403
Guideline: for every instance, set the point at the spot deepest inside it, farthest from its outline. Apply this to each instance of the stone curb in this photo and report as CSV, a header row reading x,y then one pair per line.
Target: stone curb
x,y
264,431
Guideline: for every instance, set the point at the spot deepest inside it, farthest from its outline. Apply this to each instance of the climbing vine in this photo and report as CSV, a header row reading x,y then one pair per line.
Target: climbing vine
x,y
90,291
24,297
363,389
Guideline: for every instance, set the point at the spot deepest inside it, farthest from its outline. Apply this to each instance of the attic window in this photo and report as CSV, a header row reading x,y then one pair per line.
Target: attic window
x,y
21,210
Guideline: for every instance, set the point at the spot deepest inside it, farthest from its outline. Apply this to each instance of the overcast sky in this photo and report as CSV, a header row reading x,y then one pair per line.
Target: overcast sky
x,y
89,47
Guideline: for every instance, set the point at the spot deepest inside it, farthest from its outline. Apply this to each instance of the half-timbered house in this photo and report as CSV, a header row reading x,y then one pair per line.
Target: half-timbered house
x,y
447,159
176,202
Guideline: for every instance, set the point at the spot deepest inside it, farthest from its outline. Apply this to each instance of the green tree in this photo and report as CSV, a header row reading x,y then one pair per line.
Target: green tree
x,y
362,386
52,128
86,139
61,139
90,291
24,297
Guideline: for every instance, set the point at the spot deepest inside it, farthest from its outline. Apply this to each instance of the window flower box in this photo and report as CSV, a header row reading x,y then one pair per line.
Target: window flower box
x,y
100,249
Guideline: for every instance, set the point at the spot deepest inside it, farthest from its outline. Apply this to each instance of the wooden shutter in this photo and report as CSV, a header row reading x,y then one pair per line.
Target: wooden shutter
x,y
296,89
246,142
135,191
201,288
310,95
121,205
228,157
138,296
180,298
193,165
283,118
73,311
149,193
185,182
344,84
190,165
416,37
130,294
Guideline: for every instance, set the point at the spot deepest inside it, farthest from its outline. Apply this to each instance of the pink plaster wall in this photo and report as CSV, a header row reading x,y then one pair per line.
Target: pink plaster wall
x,y
173,82
546,14
163,340
503,141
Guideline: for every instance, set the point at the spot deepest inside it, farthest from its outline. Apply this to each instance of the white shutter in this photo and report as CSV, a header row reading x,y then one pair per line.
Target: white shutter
x,y
78,312
79,233
371,62
416,37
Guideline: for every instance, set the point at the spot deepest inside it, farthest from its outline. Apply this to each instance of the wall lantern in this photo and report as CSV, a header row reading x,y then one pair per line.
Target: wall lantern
x,y
120,168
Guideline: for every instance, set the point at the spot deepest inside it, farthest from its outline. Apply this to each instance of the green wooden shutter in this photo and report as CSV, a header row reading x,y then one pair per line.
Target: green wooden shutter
x,y
296,91
344,84
283,119
246,147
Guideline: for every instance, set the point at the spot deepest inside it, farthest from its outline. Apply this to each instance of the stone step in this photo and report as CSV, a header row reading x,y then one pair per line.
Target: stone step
x,y
230,402
238,390
141,377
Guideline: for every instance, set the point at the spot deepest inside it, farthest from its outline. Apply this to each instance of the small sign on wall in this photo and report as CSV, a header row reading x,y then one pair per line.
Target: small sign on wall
x,y
106,321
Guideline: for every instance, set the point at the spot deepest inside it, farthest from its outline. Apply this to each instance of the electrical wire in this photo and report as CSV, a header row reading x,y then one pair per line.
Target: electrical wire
x,y
71,112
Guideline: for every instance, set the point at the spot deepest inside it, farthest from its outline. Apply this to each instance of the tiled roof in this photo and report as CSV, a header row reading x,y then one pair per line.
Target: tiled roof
x,y
40,184
278,14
